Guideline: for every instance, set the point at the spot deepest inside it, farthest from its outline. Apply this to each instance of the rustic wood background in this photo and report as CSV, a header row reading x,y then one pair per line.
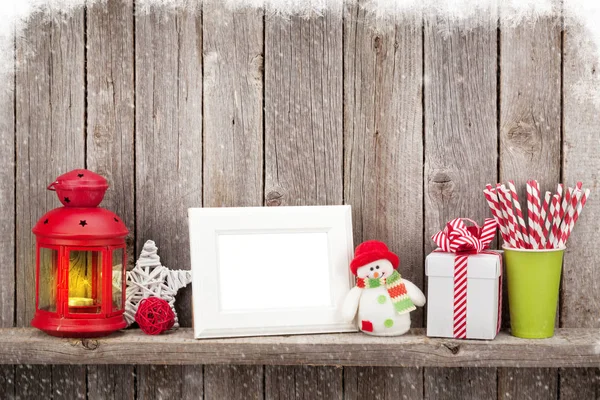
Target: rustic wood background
x,y
407,125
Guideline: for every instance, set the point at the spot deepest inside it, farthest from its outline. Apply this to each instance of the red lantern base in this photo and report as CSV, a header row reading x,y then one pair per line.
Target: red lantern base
x,y
78,328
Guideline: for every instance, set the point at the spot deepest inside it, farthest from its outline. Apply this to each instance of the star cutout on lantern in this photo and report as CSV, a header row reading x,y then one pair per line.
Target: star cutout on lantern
x,y
67,200
83,222
80,175
46,221
116,220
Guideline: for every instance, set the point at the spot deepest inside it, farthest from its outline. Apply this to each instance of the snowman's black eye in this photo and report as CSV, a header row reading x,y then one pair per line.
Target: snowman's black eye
x,y
377,267
371,268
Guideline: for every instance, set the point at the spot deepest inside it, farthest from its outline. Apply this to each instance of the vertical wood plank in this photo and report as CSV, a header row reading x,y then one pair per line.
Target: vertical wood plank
x,y
234,382
7,186
110,106
110,143
33,381
168,64
383,164
383,383
7,381
581,161
69,382
303,382
168,98
460,155
303,110
50,129
233,101
530,66
170,382
233,147
303,138
460,383
111,382
527,384
50,100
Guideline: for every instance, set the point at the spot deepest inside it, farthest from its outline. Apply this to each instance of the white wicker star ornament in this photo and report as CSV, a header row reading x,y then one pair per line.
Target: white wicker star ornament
x,y
149,278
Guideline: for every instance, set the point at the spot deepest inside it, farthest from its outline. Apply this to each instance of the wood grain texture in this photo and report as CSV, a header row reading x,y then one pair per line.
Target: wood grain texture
x,y
303,142
234,382
460,383
530,125
303,382
50,130
7,381
111,382
170,382
383,163
168,63
581,161
7,186
33,381
383,383
110,107
233,98
69,382
50,103
303,110
527,384
233,132
570,347
579,383
110,143
460,154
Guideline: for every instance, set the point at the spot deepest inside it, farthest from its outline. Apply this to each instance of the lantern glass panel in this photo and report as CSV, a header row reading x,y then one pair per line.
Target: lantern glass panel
x,y
48,279
85,281
117,279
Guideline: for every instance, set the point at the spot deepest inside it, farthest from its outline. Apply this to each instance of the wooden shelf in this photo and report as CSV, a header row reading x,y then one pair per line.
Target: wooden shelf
x,y
568,348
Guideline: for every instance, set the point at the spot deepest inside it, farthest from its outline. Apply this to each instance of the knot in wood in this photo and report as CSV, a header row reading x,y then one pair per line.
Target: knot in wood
x,y
442,184
377,43
274,198
524,137
454,348
90,344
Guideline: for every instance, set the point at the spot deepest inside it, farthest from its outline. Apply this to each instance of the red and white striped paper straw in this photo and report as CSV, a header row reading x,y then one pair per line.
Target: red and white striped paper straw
x,y
555,222
492,201
521,221
510,216
535,244
581,203
545,222
569,216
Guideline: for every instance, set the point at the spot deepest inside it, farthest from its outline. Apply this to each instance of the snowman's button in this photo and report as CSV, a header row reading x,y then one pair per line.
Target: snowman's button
x,y
381,299
388,323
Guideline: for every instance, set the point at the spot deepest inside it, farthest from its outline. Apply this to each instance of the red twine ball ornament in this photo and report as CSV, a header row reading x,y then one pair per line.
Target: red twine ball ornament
x,y
154,316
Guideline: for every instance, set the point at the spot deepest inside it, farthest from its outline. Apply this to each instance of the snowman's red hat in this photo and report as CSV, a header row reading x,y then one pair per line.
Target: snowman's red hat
x,y
372,250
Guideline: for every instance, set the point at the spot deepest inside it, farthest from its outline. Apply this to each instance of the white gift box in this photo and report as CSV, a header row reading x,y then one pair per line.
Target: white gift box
x,y
484,272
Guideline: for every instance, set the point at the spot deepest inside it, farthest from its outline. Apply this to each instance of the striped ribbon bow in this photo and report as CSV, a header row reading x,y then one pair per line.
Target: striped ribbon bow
x,y
458,238
464,241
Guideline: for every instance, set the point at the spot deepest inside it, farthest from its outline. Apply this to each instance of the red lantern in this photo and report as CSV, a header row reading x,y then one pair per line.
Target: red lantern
x,y
80,263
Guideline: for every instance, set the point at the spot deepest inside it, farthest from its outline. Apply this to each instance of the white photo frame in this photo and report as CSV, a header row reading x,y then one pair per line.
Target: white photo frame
x,y
270,270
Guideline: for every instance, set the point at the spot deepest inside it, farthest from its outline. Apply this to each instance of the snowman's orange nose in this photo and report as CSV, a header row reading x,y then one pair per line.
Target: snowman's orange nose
x,y
376,275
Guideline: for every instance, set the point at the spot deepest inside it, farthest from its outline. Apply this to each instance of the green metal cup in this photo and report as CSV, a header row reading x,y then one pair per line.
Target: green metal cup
x,y
533,278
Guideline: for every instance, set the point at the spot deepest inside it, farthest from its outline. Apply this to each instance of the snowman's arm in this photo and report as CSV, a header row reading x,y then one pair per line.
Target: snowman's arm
x,y
414,293
351,304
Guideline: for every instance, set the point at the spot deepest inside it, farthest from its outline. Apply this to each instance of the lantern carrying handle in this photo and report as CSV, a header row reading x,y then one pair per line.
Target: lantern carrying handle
x,y
51,186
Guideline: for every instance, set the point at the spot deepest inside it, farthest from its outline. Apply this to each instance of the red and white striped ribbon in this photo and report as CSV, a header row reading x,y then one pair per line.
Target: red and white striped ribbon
x,y
460,296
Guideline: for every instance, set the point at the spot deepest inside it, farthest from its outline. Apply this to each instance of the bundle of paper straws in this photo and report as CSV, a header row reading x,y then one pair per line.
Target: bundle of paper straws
x,y
549,222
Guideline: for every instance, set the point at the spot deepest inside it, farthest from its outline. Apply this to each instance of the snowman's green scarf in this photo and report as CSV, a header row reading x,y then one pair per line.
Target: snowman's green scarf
x,y
395,288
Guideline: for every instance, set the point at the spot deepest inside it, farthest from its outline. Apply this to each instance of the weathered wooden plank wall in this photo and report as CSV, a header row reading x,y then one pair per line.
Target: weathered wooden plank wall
x,y
225,108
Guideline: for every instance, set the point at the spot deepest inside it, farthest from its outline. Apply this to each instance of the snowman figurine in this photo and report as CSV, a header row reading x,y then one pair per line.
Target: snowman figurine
x,y
382,298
